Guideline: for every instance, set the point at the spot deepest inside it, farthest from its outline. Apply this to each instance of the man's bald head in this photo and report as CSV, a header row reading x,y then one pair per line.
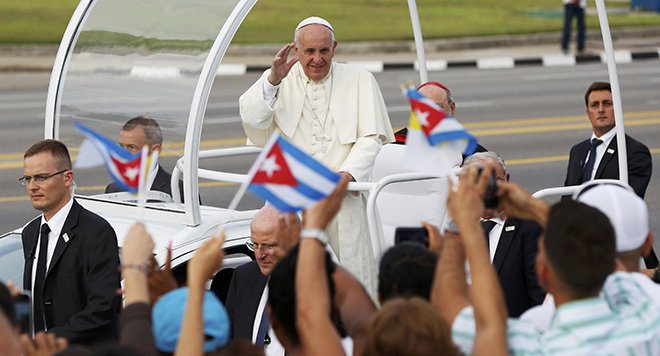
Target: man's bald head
x,y
273,234
439,95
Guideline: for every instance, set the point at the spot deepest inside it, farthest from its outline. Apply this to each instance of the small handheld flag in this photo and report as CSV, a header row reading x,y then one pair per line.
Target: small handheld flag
x,y
123,166
287,177
435,140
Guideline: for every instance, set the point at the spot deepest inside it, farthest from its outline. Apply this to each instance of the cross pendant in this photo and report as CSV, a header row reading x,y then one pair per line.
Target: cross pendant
x,y
324,141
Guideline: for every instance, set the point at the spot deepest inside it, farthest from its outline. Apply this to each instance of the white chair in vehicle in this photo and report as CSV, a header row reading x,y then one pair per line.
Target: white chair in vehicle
x,y
406,204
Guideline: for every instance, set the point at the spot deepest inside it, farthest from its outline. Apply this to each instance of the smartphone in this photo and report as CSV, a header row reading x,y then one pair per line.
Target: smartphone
x,y
491,201
413,234
23,306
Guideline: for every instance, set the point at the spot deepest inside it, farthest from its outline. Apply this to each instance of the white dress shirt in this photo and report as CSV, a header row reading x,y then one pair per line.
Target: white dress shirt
x,y
494,236
600,149
56,223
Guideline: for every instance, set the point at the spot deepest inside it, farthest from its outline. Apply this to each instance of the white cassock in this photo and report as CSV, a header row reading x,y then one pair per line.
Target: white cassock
x,y
352,128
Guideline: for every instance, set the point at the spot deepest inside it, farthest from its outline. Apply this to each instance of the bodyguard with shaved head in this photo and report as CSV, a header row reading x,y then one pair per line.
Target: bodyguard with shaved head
x,y
271,239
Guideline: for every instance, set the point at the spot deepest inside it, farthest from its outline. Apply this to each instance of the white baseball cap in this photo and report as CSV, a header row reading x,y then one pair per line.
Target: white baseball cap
x,y
626,211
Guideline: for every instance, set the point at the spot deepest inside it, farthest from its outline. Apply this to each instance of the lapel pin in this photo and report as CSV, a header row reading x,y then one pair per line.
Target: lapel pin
x,y
509,228
65,237
610,150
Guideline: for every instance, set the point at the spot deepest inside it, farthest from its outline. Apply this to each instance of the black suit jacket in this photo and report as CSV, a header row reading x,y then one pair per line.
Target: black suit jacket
x,y
640,166
161,183
245,290
514,262
80,289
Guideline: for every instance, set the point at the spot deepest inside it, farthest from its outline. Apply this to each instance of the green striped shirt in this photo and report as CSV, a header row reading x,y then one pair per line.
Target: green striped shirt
x,y
624,321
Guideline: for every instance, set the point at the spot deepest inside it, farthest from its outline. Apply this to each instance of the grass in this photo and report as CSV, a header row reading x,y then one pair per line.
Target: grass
x,y
44,21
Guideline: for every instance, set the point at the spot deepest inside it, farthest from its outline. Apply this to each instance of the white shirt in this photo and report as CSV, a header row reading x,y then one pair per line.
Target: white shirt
x,y
541,315
494,236
56,223
600,149
583,3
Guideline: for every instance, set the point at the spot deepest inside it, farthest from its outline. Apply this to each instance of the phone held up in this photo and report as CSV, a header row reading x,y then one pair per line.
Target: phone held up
x,y
412,234
491,201
23,308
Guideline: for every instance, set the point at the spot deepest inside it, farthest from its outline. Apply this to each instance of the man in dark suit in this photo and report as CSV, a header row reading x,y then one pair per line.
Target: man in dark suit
x,y
71,254
139,132
247,296
597,157
512,244
603,163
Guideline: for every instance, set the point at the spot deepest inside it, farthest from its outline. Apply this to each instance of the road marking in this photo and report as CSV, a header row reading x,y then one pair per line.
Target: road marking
x,y
512,162
551,128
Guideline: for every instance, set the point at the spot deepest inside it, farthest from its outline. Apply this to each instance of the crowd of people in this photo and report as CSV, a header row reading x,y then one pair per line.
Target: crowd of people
x,y
507,275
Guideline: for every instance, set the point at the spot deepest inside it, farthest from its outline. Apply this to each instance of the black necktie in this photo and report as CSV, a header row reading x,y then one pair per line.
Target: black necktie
x,y
586,175
488,225
39,278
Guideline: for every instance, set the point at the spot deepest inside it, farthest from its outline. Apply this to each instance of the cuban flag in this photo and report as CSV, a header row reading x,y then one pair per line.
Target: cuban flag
x,y
287,177
123,166
435,141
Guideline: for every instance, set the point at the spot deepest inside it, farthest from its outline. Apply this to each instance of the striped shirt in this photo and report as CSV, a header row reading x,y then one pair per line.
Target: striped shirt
x,y
624,321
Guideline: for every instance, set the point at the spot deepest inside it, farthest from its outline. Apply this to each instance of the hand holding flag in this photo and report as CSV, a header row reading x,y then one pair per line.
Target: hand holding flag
x,y
288,178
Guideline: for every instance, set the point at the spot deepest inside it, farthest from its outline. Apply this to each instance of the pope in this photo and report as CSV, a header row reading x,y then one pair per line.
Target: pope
x,y
337,114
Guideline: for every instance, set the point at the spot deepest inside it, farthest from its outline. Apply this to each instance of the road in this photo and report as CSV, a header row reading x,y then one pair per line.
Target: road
x,y
530,115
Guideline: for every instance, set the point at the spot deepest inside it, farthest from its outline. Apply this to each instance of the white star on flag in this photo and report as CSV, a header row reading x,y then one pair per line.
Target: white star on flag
x,y
421,117
269,166
131,173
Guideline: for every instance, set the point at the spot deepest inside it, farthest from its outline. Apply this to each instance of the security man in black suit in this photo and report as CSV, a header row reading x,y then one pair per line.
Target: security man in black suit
x,y
247,297
513,244
597,157
71,254
139,132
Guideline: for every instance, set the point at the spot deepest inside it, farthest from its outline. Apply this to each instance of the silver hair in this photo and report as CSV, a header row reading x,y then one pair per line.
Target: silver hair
x,y
296,37
482,156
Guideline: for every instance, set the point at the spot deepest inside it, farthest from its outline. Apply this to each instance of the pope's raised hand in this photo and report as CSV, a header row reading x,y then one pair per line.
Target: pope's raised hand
x,y
280,67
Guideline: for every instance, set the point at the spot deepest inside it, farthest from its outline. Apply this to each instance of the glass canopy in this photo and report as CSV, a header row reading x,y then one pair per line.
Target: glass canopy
x,y
120,59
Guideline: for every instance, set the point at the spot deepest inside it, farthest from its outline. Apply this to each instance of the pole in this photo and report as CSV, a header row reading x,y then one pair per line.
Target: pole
x,y
419,41
616,91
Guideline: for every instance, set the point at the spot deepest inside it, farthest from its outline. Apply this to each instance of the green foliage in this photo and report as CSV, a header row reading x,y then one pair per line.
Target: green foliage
x,y
273,21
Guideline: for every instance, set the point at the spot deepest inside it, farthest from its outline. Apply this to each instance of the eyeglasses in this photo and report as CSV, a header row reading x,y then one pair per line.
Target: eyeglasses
x,y
265,248
39,178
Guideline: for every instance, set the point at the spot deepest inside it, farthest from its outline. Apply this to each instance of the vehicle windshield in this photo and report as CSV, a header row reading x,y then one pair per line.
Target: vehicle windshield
x,y
137,58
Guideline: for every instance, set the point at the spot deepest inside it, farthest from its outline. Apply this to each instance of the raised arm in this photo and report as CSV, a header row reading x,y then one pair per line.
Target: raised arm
x,y
465,205
201,267
317,332
516,202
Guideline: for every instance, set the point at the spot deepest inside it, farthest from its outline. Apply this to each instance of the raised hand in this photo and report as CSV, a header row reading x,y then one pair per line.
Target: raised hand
x,y
161,281
207,259
280,67
138,246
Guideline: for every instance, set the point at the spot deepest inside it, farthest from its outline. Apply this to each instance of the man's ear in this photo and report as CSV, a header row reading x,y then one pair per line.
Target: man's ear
x,y
648,244
156,147
508,175
68,178
452,108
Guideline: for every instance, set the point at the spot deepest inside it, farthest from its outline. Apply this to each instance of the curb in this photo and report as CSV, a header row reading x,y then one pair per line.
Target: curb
x,y
558,60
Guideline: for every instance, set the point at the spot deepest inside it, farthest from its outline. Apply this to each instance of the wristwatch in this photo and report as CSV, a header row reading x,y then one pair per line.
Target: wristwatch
x,y
314,234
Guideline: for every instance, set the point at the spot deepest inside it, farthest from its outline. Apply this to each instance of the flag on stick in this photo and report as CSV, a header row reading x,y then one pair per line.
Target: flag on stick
x,y
435,140
287,177
123,166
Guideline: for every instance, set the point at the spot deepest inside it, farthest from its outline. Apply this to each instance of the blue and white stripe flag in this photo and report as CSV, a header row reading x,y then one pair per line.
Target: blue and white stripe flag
x,y
287,177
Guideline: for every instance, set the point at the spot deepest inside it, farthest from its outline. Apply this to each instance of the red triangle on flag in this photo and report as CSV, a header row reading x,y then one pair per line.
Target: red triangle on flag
x,y
428,117
130,171
274,169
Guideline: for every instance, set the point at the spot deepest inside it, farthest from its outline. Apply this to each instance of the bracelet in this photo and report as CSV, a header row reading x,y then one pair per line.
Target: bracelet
x,y
317,234
135,267
451,227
